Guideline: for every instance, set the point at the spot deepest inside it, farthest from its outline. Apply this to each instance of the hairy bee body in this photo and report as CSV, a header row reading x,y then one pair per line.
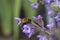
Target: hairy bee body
x,y
25,20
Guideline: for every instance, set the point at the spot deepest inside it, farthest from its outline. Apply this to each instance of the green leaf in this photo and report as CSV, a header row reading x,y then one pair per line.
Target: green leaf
x,y
29,12
33,1
5,11
16,13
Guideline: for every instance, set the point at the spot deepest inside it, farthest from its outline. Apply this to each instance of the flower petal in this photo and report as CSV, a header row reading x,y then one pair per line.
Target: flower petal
x,y
34,6
29,30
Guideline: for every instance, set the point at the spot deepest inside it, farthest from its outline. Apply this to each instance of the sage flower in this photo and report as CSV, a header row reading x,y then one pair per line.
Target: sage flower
x,y
58,17
56,2
28,1
42,37
29,30
50,11
34,6
48,2
50,26
38,20
19,21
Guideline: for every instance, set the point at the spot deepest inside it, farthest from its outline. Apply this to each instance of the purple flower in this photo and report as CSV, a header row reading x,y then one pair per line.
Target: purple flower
x,y
58,17
28,1
48,2
38,19
29,29
42,37
17,18
50,26
26,29
50,11
34,6
58,14
19,21
56,1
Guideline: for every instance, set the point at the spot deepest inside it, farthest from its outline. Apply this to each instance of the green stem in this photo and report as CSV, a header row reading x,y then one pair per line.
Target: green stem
x,y
16,13
6,17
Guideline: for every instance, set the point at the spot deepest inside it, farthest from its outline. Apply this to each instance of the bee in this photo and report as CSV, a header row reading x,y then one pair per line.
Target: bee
x,y
24,20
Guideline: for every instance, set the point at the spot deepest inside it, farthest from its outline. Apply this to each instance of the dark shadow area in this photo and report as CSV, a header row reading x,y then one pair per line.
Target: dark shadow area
x,y
0,27
22,15
42,11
